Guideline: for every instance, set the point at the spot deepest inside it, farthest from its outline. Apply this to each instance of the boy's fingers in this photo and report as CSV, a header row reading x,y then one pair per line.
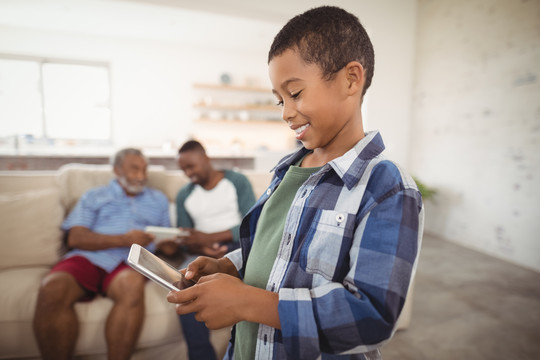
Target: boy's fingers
x,y
182,309
195,267
180,297
207,278
192,268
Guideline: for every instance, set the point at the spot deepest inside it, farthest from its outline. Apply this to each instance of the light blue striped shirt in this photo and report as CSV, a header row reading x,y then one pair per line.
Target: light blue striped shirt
x,y
347,257
108,210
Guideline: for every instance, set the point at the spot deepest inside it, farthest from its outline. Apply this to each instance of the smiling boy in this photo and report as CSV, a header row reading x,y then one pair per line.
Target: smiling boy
x,y
330,250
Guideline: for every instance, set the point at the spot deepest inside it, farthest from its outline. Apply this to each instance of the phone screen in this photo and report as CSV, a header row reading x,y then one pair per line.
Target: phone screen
x,y
151,263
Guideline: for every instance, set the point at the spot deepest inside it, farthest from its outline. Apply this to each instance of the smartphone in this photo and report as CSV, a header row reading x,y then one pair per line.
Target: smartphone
x,y
156,269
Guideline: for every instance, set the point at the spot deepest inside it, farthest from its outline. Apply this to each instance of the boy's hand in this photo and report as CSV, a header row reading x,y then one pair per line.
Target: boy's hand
x,y
204,265
220,300
215,300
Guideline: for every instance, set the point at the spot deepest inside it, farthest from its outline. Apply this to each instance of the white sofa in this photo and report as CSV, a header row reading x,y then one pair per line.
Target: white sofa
x,y
32,207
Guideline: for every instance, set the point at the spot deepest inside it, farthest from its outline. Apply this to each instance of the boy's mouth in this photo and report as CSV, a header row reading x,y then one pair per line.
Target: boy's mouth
x,y
300,131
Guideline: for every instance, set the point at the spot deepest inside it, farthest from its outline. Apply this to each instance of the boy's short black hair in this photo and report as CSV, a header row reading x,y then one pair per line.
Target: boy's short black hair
x,y
329,37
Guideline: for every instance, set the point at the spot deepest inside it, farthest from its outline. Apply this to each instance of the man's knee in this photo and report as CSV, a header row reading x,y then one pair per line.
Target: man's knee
x,y
128,287
59,289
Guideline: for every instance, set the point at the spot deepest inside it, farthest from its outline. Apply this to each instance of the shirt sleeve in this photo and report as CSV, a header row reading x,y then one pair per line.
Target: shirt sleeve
x,y
360,313
83,214
236,258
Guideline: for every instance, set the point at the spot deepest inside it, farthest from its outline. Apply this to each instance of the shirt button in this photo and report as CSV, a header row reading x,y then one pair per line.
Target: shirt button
x,y
340,218
268,192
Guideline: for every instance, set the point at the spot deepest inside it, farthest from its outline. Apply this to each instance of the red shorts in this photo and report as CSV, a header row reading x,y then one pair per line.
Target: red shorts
x,y
91,277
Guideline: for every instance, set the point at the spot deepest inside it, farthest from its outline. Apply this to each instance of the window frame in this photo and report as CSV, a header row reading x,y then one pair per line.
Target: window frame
x,y
41,61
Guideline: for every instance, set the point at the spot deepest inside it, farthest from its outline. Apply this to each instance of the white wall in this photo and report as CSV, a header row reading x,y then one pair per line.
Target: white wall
x,y
151,75
156,53
476,133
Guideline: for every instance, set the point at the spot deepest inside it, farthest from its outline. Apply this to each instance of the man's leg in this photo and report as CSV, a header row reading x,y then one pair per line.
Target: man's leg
x,y
55,321
197,338
125,320
196,333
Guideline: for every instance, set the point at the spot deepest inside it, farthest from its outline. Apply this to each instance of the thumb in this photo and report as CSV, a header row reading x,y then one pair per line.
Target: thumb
x,y
193,268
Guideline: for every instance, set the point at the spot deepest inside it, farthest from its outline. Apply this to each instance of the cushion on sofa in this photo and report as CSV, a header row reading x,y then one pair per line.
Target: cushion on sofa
x,y
18,298
30,227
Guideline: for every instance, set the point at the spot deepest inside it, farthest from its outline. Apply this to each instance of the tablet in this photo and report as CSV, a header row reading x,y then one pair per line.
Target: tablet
x,y
165,233
156,269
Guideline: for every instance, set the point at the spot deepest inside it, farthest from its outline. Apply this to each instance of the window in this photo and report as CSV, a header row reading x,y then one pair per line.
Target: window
x,y
54,100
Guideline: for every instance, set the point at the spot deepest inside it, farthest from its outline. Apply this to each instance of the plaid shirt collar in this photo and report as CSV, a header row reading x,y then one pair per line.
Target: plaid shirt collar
x,y
349,167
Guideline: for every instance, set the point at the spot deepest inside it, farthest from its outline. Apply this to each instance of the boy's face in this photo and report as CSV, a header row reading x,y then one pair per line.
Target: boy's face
x,y
322,113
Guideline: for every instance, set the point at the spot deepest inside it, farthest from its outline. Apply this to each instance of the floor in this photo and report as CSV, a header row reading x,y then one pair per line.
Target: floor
x,y
468,305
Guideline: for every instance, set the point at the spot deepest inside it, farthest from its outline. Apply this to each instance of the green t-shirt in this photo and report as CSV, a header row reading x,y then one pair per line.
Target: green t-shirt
x,y
264,250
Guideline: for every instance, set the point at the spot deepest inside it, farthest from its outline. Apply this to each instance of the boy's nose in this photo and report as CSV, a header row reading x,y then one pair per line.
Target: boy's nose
x,y
288,112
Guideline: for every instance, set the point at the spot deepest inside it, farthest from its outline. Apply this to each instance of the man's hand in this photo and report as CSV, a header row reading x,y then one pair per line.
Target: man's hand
x,y
215,251
196,238
167,247
207,244
138,237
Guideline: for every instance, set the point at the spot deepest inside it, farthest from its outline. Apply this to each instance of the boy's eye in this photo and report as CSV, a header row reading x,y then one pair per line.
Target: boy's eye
x,y
295,95
279,103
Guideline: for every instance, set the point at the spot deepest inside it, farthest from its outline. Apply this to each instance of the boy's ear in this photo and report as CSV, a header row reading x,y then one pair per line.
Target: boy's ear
x,y
355,77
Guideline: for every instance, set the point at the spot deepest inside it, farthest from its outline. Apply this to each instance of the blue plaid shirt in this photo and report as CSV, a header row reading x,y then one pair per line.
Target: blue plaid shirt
x,y
347,256
108,210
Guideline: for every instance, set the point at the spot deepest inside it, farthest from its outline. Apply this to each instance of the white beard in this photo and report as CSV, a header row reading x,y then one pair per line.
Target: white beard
x,y
132,189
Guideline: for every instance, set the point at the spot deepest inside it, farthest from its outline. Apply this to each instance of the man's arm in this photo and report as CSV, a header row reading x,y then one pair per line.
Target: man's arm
x,y
83,238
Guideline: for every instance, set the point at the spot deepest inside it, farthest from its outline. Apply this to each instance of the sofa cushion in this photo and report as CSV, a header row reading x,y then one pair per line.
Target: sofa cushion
x,y
18,298
30,227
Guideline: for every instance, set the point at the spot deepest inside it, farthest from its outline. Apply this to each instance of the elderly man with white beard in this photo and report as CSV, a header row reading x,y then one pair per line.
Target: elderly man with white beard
x,y
100,230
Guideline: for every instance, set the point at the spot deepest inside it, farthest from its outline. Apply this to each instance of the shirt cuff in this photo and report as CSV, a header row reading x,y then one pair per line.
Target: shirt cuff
x,y
236,258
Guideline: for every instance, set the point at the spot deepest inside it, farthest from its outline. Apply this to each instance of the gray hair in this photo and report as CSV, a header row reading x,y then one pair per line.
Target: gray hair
x,y
119,157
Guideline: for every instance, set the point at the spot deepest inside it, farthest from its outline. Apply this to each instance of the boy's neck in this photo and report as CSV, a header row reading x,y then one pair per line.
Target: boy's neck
x,y
322,156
